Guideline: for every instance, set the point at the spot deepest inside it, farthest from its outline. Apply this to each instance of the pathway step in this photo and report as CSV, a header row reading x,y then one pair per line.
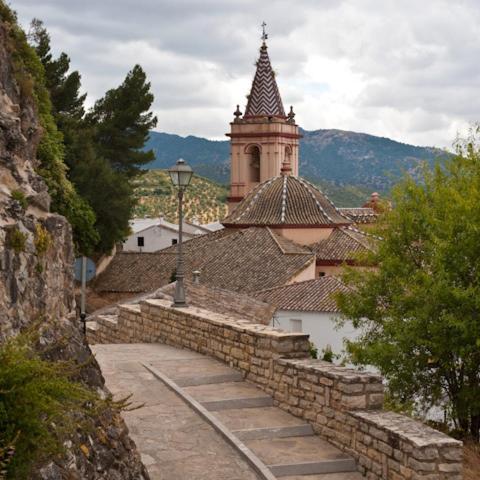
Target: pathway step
x,y
222,396
210,379
181,371
304,470
304,455
286,446
250,402
274,432
251,418
328,476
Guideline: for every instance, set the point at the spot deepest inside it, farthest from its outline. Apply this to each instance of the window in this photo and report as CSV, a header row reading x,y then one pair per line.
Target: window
x,y
254,167
295,325
321,274
140,241
174,241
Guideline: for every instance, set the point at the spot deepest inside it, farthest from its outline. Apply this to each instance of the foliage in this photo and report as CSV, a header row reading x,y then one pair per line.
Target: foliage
x,y
312,350
419,312
343,160
30,75
109,192
63,87
101,149
155,195
37,398
328,355
19,196
16,240
43,240
121,121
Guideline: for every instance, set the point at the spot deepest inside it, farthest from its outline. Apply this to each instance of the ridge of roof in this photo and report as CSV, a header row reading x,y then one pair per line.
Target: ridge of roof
x,y
282,242
326,197
348,231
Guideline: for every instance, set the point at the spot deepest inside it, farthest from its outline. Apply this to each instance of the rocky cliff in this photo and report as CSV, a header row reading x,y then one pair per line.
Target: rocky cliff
x,y
36,280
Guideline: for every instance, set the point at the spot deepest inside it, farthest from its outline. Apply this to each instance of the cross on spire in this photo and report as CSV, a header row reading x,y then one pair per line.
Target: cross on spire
x,y
264,33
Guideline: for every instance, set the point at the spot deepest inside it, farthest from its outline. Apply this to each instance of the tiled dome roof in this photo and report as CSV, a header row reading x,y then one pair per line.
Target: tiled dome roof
x,y
286,200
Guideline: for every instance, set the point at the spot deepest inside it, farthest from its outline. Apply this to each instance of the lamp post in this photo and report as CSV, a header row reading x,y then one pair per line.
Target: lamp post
x,y
180,174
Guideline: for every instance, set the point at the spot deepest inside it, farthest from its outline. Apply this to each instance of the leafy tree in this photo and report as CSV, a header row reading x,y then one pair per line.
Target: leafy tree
x,y
419,310
122,121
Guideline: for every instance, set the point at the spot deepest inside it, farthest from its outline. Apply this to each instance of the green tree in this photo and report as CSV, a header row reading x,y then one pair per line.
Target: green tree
x,y
109,192
122,121
102,150
64,87
29,73
419,310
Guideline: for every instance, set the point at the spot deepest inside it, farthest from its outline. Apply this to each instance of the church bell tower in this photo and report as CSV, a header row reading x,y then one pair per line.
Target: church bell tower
x,y
263,139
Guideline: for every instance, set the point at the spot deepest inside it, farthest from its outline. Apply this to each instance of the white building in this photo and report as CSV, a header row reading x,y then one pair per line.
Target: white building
x,y
310,307
153,234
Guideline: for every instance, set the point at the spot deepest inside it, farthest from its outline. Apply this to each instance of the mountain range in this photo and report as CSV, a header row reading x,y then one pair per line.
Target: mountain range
x,y
334,159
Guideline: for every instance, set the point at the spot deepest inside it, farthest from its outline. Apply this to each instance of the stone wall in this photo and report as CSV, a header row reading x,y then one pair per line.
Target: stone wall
x,y
343,405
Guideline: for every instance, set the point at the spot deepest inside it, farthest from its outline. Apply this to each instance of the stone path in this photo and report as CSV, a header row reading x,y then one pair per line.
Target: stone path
x,y
249,439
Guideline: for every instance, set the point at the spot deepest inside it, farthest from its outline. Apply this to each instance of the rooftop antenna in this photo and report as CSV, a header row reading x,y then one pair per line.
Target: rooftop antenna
x,y
264,33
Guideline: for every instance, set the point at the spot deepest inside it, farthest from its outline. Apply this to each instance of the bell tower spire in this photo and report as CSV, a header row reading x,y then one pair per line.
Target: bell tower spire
x,y
264,141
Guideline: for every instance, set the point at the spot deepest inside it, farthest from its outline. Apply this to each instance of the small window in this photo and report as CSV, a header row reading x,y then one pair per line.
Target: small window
x,y
174,241
321,274
295,325
140,241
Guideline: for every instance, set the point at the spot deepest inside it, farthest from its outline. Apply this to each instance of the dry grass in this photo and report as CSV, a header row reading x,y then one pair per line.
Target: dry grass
x,y
471,461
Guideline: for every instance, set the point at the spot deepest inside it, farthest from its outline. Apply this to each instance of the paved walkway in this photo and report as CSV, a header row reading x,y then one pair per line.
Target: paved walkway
x,y
173,429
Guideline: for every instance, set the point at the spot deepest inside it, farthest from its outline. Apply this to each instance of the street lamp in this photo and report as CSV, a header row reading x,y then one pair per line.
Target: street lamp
x,y
180,174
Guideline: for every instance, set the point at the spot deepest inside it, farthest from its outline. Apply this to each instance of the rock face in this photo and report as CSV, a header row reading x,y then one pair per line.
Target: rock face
x,y
36,282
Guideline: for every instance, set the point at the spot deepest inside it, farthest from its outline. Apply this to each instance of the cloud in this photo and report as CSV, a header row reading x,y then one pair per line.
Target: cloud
x,y
407,70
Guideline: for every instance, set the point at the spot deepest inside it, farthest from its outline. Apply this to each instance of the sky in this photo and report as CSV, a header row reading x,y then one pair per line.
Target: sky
x,y
404,69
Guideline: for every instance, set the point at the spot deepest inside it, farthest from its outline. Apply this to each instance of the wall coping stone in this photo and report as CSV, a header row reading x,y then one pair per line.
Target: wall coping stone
x,y
242,326
330,370
412,431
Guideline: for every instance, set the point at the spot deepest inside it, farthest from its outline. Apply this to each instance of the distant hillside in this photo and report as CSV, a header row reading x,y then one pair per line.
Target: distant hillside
x,y
204,200
336,157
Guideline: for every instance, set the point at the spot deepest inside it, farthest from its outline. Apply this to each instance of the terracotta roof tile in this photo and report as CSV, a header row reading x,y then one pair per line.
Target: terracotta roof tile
x,y
343,244
286,200
242,261
309,296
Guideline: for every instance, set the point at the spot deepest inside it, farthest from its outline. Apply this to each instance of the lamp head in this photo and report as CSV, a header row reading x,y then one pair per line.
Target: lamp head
x,y
180,174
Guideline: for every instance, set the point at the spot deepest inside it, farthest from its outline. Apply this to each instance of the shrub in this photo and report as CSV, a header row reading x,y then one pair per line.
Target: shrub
x,y
19,196
43,240
39,406
313,350
16,240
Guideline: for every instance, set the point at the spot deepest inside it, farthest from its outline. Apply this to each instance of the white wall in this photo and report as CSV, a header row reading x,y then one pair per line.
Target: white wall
x,y
155,238
319,325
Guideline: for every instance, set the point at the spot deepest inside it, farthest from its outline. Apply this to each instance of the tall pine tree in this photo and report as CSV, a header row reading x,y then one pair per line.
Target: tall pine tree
x,y
122,121
103,147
